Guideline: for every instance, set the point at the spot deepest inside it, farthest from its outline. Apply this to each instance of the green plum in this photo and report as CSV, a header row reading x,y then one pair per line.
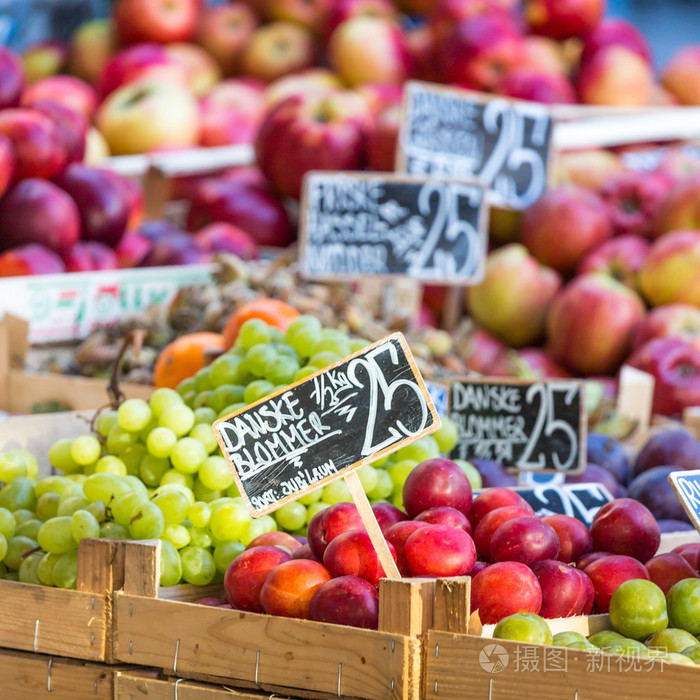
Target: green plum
x,y
524,627
605,638
585,645
693,653
674,657
638,609
563,639
672,639
684,605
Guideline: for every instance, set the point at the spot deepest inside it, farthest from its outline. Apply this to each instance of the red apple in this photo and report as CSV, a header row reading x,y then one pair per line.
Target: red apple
x,y
231,113
670,321
64,89
278,49
690,551
382,139
88,256
445,515
300,83
201,70
514,297
440,550
7,163
11,78
367,49
527,84
37,211
72,128
437,482
564,592
289,588
92,45
342,10
589,558
397,535
311,14
225,238
487,526
615,32
331,522
574,538
563,19
36,141
681,75
276,539
31,259
591,323
224,31
132,250
667,569
483,351
304,552
421,49
447,13
525,539
352,553
492,499
387,515
528,363
571,208
380,96
44,59
318,131
621,258
162,21
346,600
607,573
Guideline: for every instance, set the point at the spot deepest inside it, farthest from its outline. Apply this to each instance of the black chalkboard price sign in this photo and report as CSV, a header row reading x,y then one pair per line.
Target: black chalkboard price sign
x,y
447,132
580,501
686,484
363,224
327,425
526,425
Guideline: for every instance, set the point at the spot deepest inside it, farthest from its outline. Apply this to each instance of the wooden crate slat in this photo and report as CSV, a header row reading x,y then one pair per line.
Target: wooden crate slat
x,y
301,655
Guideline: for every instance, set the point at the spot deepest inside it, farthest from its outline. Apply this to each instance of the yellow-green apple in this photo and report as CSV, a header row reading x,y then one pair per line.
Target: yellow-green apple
x,y
250,207
671,272
92,45
367,49
528,84
36,141
149,115
318,131
162,21
634,199
101,201
590,168
202,71
300,83
30,259
563,225
620,257
278,49
504,225
675,365
342,10
38,211
224,31
311,14
616,75
89,256
513,299
477,52
382,138
226,238
528,363
543,55
591,323
44,59
96,148
7,163
681,75
72,127
615,32
64,89
231,113
670,321
681,208
563,19
11,78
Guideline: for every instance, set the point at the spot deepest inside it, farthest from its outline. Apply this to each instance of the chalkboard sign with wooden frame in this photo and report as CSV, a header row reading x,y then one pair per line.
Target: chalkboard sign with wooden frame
x,y
686,485
358,224
504,143
327,425
533,425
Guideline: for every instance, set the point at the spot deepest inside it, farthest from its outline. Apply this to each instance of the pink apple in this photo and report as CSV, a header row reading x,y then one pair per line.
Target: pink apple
x,y
447,13
92,45
36,141
37,211
527,84
311,14
681,208
382,139
11,78
563,19
88,256
225,238
319,131
7,163
202,71
528,363
300,83
162,21
64,89
681,75
132,249
72,128
671,272
513,299
615,32
380,96
224,31
543,55
590,169
231,113
149,115
44,59
620,257
591,323
570,208
278,49
483,351
30,259
368,49
671,321
342,10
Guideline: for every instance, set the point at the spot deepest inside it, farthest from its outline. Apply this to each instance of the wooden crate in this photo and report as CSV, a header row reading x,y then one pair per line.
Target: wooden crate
x,y
24,676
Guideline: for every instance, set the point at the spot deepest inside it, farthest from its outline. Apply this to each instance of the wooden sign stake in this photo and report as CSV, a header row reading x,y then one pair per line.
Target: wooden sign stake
x,y
371,525
452,311
691,420
634,400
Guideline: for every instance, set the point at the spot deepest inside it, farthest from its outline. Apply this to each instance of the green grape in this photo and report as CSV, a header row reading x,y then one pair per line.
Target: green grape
x,y
143,434
98,510
202,399
173,504
22,515
324,359
105,421
215,473
179,419
29,528
383,488
136,485
336,492
202,493
258,358
132,457
305,322
60,456
177,535
84,524
78,479
304,372
18,494
397,500
17,547
3,547
44,572
233,408
229,521
204,414
202,380
333,333
47,505
51,484
357,344
199,513
55,535
291,516
8,524
267,521
225,395
75,490
225,553
198,567
11,576
105,487
69,505
12,466
28,569
282,370
65,570
134,415
114,531
187,455
314,509
152,469
162,399
147,522
85,450
253,332
399,472
125,505
368,477
205,435
200,536
232,491
224,370
160,442
311,497
254,529
189,399
109,464
185,386
257,390
170,565
302,333
176,477
216,504
335,345
446,435
118,440
420,450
